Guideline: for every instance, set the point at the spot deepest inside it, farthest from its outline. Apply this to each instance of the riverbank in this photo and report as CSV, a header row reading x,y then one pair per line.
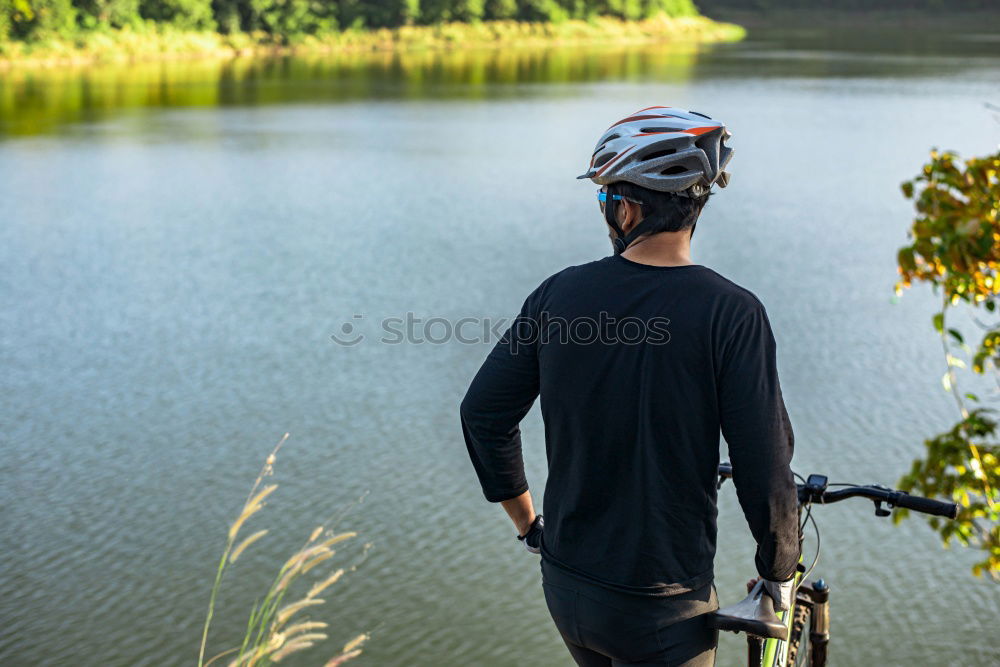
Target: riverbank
x,y
159,43
858,19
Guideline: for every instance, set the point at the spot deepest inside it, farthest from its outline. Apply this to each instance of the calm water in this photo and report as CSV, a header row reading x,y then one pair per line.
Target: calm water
x,y
178,243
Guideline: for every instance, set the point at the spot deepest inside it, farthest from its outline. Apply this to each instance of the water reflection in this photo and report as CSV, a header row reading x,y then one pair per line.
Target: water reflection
x,y
40,101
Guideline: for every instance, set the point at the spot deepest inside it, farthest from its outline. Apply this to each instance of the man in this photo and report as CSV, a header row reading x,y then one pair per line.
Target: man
x,y
640,360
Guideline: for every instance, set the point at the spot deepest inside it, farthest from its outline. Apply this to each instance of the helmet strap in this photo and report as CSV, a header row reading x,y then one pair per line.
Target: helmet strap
x,y
641,228
610,211
622,241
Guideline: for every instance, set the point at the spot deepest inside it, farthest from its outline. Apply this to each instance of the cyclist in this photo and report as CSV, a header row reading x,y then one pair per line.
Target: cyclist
x,y
640,359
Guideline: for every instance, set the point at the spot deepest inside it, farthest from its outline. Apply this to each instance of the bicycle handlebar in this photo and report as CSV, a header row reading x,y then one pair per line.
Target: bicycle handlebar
x,y
928,506
892,497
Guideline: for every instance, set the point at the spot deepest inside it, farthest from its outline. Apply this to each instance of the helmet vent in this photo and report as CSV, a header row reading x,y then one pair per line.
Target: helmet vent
x,y
657,154
707,139
676,169
700,114
660,130
601,161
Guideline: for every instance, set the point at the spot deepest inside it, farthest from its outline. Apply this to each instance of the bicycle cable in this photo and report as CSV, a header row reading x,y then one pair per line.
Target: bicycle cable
x,y
810,517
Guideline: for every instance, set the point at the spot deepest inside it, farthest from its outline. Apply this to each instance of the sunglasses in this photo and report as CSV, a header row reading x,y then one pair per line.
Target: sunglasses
x,y
602,197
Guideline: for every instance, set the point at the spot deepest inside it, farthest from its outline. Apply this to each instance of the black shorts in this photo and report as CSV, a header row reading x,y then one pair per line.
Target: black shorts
x,y
604,628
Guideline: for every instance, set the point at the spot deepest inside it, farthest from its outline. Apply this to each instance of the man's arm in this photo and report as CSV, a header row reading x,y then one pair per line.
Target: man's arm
x,y
497,400
759,434
521,512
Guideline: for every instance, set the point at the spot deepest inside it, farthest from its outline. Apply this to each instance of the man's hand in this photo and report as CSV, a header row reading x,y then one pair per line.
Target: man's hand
x,y
532,538
522,514
781,592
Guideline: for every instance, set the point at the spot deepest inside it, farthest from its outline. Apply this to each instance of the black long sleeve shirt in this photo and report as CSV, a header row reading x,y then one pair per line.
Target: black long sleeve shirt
x,y
638,368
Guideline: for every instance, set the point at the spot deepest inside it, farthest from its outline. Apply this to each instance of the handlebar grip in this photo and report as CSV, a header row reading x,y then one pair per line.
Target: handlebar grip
x,y
927,505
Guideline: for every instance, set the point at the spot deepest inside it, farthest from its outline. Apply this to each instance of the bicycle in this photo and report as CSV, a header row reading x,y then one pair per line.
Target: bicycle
x,y
800,636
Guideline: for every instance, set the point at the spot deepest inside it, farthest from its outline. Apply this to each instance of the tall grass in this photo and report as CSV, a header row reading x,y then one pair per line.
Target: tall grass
x,y
270,634
146,42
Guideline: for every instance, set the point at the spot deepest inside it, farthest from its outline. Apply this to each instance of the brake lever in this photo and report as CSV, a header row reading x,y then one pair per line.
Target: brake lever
x,y
879,510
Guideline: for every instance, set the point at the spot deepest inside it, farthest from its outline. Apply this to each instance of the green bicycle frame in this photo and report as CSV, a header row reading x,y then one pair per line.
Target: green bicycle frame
x,y
776,650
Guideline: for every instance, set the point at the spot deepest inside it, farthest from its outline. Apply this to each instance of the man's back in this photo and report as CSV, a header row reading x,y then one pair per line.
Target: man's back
x,y
637,367
640,359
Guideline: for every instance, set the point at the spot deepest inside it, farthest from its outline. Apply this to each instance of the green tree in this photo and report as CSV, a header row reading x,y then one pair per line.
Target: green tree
x,y
227,15
184,14
406,12
542,10
435,11
288,19
674,8
500,9
354,14
37,19
391,13
469,11
108,13
955,246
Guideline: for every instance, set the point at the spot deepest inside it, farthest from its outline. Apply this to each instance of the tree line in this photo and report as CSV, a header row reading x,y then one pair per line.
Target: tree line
x,y
709,6
28,20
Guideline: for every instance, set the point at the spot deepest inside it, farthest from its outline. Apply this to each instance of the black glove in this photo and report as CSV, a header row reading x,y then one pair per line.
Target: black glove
x,y
533,538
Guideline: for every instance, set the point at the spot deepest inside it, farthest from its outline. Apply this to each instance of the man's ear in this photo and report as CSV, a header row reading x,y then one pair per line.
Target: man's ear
x,y
630,215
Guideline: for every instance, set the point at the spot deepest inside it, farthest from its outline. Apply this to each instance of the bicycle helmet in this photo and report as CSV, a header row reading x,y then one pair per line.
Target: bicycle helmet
x,y
660,148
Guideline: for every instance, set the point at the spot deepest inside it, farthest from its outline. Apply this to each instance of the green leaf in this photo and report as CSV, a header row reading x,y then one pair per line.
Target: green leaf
x,y
907,260
954,247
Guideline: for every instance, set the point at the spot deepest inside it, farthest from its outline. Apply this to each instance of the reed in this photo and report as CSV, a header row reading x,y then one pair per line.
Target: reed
x,y
148,43
267,640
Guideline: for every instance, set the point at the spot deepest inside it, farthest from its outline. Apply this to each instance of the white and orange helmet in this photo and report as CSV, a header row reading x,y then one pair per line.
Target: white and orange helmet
x,y
665,149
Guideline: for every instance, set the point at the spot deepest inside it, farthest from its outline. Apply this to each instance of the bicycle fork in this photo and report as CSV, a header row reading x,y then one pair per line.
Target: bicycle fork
x,y
815,596
819,623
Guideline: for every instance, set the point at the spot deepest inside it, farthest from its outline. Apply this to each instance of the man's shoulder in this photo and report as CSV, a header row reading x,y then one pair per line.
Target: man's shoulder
x,y
730,290
586,268
574,274
699,282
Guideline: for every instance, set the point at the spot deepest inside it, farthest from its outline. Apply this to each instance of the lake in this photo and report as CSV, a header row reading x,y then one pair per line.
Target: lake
x,y
179,242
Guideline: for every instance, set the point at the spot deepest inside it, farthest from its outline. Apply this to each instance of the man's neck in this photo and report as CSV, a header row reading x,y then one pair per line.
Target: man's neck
x,y
663,249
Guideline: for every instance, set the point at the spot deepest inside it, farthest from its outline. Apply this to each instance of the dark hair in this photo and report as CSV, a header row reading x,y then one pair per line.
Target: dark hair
x,y
666,211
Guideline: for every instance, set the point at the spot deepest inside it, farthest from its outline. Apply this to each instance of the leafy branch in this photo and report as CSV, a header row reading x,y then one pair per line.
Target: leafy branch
x,y
955,247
